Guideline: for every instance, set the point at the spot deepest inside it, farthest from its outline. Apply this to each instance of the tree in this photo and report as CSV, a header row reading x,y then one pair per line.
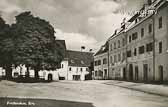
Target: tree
x,y
34,43
6,48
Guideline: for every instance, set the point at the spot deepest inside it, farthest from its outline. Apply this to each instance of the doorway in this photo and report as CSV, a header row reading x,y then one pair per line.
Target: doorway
x,y
124,73
161,73
50,77
136,73
131,72
145,69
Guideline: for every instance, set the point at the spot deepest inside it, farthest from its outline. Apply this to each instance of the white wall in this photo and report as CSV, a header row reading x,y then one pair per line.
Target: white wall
x,y
77,71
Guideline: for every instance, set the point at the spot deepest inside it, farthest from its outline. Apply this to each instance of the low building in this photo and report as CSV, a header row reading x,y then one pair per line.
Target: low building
x,y
76,65
101,63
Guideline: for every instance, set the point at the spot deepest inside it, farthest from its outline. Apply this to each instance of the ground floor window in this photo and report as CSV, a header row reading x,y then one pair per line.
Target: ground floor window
x,y
76,77
101,73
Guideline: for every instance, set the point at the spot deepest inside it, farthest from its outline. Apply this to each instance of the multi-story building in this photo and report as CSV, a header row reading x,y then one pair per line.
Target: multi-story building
x,y
101,63
117,55
145,45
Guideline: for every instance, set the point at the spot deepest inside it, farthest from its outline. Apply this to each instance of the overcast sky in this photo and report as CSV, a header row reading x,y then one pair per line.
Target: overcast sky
x,y
80,22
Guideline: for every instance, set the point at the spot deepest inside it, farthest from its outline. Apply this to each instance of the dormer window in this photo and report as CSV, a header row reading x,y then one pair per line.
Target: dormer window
x,y
72,61
103,48
82,62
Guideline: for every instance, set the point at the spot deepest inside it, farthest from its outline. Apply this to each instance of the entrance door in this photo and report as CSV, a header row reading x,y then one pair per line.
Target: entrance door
x,y
136,73
124,74
161,73
131,72
50,77
145,69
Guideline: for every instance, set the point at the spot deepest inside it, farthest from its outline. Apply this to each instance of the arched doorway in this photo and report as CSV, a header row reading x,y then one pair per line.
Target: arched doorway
x,y
50,77
131,72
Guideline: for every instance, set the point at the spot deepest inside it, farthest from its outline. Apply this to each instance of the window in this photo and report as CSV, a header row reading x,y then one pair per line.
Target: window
x,y
99,62
149,47
111,47
129,53
87,69
141,50
134,36
111,59
81,69
135,52
115,58
123,56
119,45
96,73
123,42
62,65
150,28
70,69
160,47
96,63
119,57
160,23
142,32
130,39
115,45
104,61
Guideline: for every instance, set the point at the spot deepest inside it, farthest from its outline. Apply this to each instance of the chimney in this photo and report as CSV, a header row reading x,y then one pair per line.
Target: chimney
x,y
149,2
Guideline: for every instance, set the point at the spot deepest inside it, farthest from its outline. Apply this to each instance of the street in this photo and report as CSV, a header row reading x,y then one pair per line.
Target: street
x,y
93,92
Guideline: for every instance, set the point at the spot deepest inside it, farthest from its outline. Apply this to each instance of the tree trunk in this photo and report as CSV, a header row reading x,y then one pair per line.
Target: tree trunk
x,y
8,70
36,73
28,73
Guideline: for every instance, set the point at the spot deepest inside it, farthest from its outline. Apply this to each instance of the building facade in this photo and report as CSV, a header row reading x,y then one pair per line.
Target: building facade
x,y
117,55
144,53
76,65
101,63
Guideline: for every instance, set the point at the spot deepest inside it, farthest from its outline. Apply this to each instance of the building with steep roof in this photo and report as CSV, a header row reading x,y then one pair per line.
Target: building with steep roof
x,y
76,65
101,63
143,55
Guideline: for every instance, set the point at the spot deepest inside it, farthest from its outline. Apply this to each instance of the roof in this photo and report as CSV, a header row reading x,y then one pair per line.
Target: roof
x,y
80,59
103,49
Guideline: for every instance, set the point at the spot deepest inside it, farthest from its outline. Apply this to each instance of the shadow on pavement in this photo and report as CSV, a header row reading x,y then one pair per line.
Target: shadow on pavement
x,y
24,102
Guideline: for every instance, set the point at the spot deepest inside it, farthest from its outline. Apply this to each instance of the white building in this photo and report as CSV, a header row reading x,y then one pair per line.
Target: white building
x,y
76,65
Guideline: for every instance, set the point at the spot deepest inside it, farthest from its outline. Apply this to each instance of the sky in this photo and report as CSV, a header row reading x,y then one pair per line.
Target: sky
x,y
86,23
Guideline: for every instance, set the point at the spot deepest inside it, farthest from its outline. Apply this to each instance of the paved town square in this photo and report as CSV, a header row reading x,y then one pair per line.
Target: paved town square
x,y
96,93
